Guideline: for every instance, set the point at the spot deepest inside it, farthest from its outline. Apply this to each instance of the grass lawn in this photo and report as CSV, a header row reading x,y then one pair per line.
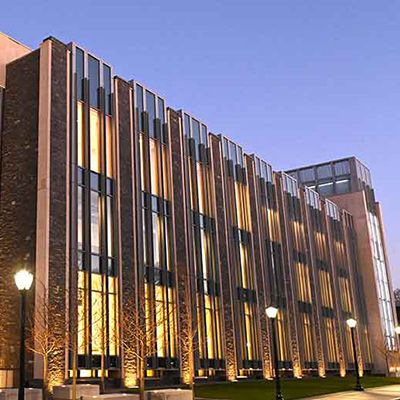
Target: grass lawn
x,y
291,388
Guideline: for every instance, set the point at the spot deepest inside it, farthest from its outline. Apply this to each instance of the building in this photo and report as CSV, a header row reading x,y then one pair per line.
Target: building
x,y
347,182
126,209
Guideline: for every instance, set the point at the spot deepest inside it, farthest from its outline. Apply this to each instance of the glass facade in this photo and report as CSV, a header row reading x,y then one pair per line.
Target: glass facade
x,y
210,355
97,313
240,225
155,230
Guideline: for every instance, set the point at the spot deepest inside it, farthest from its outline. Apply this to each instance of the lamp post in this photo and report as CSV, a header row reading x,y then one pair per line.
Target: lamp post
x,y
272,313
23,280
352,323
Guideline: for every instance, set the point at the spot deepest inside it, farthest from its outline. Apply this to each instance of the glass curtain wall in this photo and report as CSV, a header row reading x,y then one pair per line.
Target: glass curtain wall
x,y
273,254
97,311
156,258
201,195
302,273
240,220
343,276
324,277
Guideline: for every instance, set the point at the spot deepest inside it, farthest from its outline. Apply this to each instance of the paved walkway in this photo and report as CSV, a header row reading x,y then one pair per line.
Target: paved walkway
x,y
391,392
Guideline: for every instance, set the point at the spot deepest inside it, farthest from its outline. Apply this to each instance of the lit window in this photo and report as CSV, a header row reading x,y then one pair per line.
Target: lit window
x,y
95,152
80,134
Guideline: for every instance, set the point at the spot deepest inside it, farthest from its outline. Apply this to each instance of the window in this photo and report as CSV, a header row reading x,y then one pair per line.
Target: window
x,y
94,82
107,89
324,171
307,175
80,218
109,147
342,168
79,73
95,221
325,189
139,107
151,111
342,186
161,113
80,133
187,125
95,147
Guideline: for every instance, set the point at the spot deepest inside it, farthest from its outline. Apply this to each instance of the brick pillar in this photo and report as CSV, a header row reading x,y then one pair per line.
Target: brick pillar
x,y
126,203
181,262
227,294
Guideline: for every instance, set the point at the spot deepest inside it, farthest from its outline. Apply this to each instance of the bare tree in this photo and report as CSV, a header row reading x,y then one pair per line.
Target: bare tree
x,y
81,327
139,333
43,339
188,340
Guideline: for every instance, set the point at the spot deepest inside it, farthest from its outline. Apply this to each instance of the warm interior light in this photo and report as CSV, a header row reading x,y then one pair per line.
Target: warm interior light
x,y
397,329
23,279
272,312
351,323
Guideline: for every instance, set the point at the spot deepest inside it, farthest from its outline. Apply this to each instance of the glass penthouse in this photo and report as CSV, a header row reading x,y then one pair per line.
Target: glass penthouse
x,y
128,210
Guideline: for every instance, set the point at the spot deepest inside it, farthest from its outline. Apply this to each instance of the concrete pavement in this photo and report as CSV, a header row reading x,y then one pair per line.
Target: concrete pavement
x,y
391,392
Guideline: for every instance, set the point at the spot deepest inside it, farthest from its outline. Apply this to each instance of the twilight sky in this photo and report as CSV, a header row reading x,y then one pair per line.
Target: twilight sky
x,y
296,81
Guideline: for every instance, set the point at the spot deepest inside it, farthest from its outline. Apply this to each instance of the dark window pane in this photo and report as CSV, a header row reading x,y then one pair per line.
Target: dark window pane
x,y
151,111
139,106
107,89
324,171
232,153
196,136
204,136
342,168
307,175
95,181
342,186
325,189
79,73
161,114
95,261
94,82
187,125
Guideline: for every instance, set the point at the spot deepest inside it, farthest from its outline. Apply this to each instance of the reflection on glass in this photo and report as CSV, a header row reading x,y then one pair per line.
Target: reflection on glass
x,y
95,221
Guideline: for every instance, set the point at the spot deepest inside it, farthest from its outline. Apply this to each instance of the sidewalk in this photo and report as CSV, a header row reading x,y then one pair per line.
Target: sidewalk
x,y
391,392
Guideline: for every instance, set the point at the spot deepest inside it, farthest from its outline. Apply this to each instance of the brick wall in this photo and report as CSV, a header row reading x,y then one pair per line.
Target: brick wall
x,y
18,194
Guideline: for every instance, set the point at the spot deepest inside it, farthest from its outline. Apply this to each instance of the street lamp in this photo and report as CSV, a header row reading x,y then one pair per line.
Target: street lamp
x,y
352,323
23,280
272,313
